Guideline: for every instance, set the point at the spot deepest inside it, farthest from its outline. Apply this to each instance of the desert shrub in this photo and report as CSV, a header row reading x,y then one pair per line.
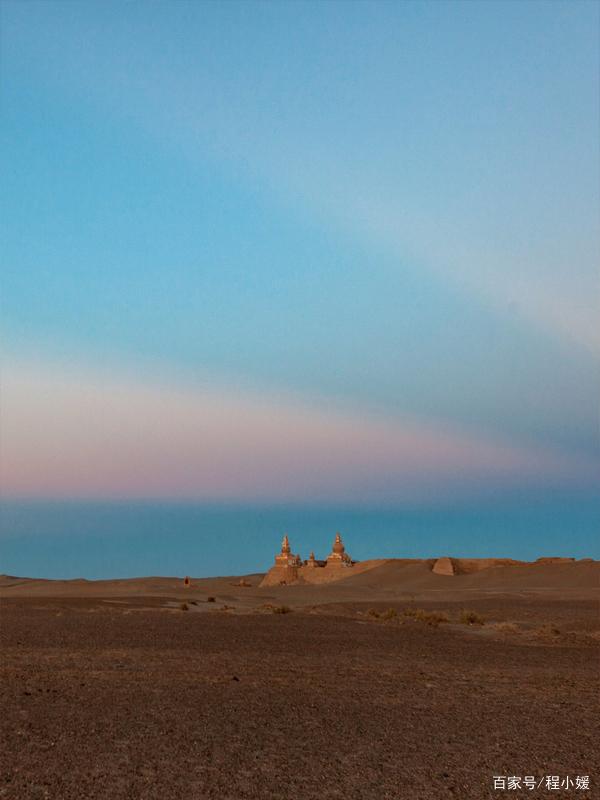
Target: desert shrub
x,y
433,618
193,602
391,613
436,617
184,607
507,627
273,609
471,618
211,599
372,612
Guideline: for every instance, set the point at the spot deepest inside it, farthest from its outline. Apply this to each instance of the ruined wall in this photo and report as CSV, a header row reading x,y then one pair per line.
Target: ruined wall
x,y
307,574
278,575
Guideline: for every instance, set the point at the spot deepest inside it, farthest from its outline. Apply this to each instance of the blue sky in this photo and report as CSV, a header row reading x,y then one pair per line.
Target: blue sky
x,y
300,251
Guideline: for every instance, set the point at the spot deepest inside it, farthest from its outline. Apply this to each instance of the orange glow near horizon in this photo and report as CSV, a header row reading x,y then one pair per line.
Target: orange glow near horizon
x,y
76,434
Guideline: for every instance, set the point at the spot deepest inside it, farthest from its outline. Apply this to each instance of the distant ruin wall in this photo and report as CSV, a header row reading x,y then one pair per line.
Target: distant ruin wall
x,y
278,576
465,566
443,566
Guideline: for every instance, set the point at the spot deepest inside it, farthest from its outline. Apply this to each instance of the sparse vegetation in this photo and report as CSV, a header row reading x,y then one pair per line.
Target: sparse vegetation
x,y
211,599
275,609
184,607
281,609
433,618
471,618
507,627
193,602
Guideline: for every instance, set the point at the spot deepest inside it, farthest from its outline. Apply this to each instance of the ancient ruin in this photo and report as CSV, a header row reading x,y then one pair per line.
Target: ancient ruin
x,y
338,556
291,569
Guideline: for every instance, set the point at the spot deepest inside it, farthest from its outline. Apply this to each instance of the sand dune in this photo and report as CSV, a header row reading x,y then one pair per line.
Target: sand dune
x,y
377,579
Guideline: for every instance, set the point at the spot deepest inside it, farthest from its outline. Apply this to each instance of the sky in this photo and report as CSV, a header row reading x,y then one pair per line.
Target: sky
x,y
331,253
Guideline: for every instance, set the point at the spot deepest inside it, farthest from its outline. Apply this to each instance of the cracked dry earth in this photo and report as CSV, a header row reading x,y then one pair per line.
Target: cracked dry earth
x,y
103,702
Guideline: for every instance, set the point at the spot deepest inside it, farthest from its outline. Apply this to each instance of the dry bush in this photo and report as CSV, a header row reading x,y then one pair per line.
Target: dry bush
x,y
184,607
281,609
211,599
372,612
507,627
471,618
391,613
433,618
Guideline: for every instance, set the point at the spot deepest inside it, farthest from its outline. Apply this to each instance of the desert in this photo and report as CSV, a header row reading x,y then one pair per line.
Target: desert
x,y
271,270
392,682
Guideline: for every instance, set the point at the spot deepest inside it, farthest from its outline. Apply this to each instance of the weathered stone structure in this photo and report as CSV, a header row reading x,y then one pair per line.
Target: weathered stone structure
x,y
286,566
443,566
290,569
338,556
286,558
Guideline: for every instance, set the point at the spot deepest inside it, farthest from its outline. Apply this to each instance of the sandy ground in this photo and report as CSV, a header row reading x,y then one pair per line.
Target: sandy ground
x,y
110,690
